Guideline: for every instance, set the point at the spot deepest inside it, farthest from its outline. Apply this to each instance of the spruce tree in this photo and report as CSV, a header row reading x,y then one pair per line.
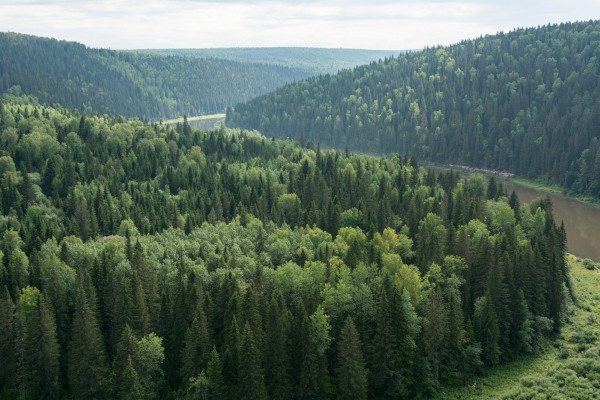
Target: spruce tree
x,y
8,344
129,385
88,372
214,373
40,375
251,383
351,373
277,359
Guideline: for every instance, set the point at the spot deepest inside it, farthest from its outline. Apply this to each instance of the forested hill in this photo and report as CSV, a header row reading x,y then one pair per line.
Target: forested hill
x,y
525,102
313,61
131,84
142,262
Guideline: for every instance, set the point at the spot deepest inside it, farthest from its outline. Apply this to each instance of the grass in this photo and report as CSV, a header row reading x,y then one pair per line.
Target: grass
x,y
540,376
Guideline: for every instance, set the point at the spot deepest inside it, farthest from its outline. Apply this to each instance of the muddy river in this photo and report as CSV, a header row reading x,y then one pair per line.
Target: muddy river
x,y
582,220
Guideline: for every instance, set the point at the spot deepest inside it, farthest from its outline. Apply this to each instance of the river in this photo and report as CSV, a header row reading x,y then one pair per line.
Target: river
x,y
582,220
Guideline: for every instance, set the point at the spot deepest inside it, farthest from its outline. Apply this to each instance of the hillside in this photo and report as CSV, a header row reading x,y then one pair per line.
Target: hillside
x,y
524,102
142,261
313,61
130,84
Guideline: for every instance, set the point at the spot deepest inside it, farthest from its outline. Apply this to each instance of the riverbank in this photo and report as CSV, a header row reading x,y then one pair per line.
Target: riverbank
x,y
555,189
563,368
509,177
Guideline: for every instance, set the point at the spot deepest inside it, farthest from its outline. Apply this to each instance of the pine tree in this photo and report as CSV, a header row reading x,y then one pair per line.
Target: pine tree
x,y
486,329
214,373
127,350
194,352
129,385
40,375
277,360
88,372
251,383
8,346
351,373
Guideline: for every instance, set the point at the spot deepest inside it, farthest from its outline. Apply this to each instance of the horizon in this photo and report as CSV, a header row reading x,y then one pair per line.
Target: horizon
x,y
334,24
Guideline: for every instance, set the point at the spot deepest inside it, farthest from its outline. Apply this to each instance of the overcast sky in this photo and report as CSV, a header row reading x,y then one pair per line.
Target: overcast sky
x,y
367,24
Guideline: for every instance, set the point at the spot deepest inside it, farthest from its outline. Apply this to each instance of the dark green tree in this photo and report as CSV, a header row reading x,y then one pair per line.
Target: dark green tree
x,y
41,368
251,383
351,372
88,368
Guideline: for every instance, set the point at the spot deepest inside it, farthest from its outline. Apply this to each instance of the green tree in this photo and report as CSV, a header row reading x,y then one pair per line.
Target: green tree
x,y
88,369
486,330
41,368
8,346
214,374
351,373
430,241
250,376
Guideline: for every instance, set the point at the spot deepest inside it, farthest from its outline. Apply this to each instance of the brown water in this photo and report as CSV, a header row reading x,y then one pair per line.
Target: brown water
x,y
582,220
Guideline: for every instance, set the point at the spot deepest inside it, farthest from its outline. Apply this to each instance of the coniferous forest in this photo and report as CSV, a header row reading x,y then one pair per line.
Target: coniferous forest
x,y
131,84
524,102
140,261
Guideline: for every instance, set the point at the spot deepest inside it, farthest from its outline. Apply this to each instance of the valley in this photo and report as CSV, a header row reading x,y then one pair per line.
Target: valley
x,y
259,250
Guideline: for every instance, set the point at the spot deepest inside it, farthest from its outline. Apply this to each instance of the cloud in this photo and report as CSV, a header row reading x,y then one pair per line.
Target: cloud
x,y
383,24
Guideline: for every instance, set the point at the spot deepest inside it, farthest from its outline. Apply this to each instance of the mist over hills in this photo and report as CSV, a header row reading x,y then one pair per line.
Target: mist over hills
x,y
313,61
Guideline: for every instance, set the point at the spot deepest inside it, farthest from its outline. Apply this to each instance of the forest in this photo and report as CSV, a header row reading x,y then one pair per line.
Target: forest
x,y
138,85
314,61
525,102
141,261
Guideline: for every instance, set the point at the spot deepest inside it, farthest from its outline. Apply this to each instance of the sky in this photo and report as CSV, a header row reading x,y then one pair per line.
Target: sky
x,y
364,24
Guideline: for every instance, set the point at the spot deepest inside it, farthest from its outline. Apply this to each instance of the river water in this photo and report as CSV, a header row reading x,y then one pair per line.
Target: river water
x,y
582,220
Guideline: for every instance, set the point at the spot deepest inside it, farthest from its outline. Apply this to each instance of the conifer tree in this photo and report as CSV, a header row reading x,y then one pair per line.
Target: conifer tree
x,y
351,373
40,374
88,372
8,346
277,360
214,374
251,383
129,384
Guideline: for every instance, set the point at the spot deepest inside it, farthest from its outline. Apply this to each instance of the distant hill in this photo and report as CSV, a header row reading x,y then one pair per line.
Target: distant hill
x,y
129,83
313,61
525,102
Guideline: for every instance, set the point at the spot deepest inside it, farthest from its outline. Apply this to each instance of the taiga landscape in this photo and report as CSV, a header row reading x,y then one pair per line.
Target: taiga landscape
x,y
299,222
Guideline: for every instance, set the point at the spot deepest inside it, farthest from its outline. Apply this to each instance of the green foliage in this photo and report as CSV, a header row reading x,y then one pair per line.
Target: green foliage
x,y
522,102
156,263
132,84
313,61
350,372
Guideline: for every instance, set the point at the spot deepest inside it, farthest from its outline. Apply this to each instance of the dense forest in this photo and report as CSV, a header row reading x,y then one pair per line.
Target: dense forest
x,y
140,261
524,102
131,84
314,61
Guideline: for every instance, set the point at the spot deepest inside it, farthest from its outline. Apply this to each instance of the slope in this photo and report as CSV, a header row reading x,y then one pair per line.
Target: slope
x,y
130,84
313,61
523,102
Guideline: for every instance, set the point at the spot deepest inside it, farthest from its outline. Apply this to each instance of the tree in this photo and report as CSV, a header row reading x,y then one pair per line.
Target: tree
x,y
214,374
277,358
8,346
40,372
149,364
486,329
351,373
250,376
430,241
129,384
88,372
